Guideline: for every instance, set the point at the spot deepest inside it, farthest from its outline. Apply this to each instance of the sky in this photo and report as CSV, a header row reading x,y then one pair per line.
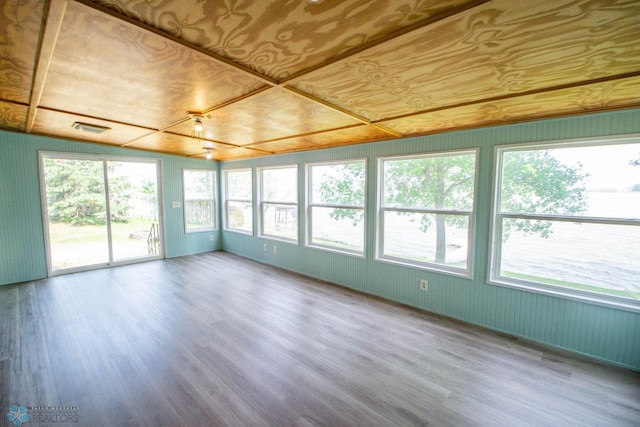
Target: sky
x,y
607,165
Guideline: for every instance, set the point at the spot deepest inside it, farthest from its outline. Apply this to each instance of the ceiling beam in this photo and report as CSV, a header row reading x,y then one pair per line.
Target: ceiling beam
x,y
301,135
344,111
52,23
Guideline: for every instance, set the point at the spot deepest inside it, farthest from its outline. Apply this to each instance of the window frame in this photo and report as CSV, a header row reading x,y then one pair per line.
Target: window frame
x,y
214,202
495,233
309,205
262,201
105,159
227,199
471,214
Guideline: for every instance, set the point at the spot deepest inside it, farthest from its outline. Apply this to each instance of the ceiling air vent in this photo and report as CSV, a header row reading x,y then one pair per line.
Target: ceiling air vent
x,y
87,127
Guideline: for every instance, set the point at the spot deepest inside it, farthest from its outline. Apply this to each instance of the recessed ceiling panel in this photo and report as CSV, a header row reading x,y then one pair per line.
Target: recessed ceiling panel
x,y
273,114
60,124
235,154
497,49
582,99
13,116
108,68
174,144
280,38
20,22
352,135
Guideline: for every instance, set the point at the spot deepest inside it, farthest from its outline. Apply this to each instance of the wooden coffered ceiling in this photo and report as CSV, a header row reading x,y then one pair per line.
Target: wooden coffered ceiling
x,y
281,76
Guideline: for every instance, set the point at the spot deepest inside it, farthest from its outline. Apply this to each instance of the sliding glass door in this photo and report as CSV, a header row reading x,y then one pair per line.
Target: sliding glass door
x,y
100,211
133,201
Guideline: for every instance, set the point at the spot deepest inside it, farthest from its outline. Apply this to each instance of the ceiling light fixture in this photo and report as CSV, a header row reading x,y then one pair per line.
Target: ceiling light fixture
x,y
198,127
209,154
87,127
315,1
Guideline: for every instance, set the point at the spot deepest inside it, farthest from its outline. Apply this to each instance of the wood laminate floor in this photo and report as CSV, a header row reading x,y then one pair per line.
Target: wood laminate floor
x,y
214,339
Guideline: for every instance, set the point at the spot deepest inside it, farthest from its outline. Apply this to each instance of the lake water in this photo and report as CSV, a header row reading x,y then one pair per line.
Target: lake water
x,y
602,256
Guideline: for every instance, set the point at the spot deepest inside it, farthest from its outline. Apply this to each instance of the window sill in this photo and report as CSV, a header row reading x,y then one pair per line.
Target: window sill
x,y
436,268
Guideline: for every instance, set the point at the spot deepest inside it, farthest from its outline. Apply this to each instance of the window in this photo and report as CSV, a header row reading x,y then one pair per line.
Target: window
x,y
238,200
279,202
567,219
426,210
336,194
199,200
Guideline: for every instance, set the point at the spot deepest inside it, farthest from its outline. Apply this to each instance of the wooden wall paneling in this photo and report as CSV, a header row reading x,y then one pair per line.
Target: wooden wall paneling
x,y
607,95
499,48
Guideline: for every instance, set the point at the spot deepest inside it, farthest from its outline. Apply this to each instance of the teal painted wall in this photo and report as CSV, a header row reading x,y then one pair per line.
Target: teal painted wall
x,y
22,244
600,332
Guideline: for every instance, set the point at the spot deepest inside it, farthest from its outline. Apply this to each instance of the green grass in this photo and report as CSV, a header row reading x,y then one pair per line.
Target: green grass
x,y
335,243
94,233
79,245
572,285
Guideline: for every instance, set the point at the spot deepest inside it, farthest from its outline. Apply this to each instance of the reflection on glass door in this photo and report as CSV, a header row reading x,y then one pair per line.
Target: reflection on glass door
x,y
76,209
99,212
133,202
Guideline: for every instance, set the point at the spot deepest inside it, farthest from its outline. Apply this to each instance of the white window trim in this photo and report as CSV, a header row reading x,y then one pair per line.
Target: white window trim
x,y
309,209
262,202
380,210
227,199
495,236
214,204
42,154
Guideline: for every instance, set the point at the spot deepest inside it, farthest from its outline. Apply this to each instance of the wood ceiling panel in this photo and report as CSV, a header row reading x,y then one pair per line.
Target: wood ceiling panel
x,y
13,116
497,49
108,68
174,144
56,123
353,135
288,145
20,22
607,95
235,154
280,38
272,114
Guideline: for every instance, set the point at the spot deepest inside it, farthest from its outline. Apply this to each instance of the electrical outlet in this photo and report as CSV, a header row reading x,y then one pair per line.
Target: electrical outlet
x,y
264,247
424,285
211,238
275,249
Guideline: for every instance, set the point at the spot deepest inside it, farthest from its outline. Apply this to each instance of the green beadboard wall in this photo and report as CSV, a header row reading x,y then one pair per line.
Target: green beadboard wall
x,y
22,244
600,332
